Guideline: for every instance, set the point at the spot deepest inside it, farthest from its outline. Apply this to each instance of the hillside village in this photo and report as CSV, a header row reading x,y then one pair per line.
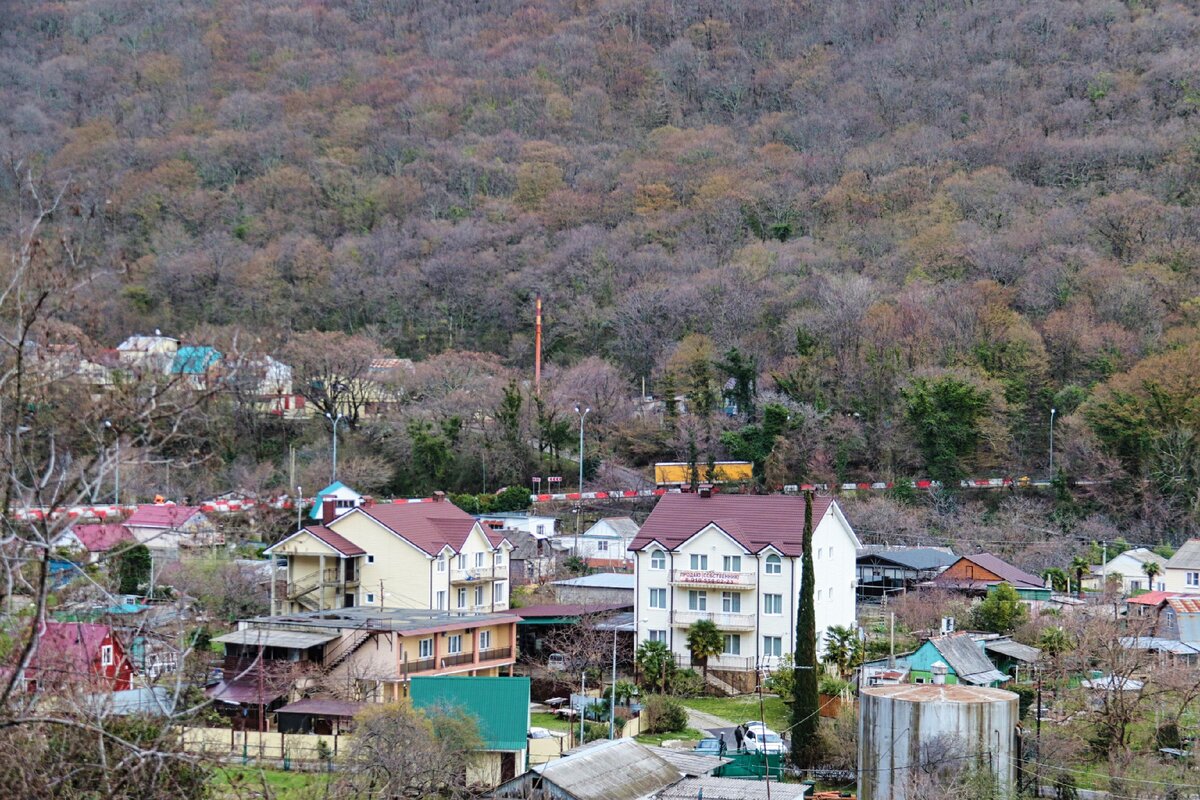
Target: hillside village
x,y
673,632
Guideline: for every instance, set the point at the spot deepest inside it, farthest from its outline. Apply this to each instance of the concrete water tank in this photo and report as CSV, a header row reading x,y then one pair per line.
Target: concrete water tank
x,y
908,733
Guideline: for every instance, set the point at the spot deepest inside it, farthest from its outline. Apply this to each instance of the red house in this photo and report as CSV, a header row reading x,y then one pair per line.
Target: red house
x,y
78,654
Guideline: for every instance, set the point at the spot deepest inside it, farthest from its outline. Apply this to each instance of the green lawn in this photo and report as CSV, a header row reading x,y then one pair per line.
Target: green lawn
x,y
246,783
687,735
740,709
540,719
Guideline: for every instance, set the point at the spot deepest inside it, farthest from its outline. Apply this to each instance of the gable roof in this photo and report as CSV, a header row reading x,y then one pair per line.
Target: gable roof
x,y
428,526
617,769
624,527
964,655
1155,598
69,648
338,488
1187,556
101,537
1016,650
335,540
1142,555
161,516
1019,578
910,557
192,360
500,704
754,521
1184,605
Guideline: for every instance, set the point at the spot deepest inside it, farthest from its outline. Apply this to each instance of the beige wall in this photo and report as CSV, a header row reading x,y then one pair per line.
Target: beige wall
x,y
402,568
1176,580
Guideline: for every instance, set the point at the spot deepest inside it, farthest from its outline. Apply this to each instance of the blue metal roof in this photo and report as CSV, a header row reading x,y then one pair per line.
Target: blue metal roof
x,y
194,360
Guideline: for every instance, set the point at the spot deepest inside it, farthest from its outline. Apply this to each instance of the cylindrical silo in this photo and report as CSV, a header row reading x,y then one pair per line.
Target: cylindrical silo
x,y
909,732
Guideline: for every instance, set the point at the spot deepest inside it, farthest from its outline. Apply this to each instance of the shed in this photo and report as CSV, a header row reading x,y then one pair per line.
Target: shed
x,y
325,716
501,708
733,789
600,587
964,658
618,769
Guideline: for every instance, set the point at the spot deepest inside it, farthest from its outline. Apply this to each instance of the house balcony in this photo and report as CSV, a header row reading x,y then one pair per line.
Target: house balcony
x,y
477,574
712,578
726,621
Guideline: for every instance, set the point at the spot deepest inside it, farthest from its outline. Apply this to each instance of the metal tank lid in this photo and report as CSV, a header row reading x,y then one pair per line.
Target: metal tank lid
x,y
939,693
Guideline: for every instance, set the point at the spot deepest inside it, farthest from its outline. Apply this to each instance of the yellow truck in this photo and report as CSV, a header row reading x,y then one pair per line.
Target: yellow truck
x,y
678,473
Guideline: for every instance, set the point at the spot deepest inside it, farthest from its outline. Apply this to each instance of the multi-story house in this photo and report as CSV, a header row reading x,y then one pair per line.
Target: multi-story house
x,y
427,555
736,560
362,653
1182,573
605,544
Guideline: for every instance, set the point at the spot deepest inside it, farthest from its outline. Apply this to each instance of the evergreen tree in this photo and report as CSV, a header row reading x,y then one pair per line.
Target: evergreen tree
x,y
804,705
133,569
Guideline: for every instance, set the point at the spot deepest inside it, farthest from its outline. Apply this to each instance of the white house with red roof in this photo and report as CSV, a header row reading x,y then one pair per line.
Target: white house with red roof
x,y
165,527
93,541
737,560
418,555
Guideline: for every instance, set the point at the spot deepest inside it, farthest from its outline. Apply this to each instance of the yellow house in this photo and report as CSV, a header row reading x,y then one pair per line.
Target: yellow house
x,y
415,555
365,653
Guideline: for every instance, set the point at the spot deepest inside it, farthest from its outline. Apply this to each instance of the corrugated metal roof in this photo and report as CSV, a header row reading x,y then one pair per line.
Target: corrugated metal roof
x,y
910,557
161,516
620,769
276,638
322,707
966,658
732,789
1152,598
1187,556
688,762
601,580
155,701
1155,644
1007,647
1184,605
500,704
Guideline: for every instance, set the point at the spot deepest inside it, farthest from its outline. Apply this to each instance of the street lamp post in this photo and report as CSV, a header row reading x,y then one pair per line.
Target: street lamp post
x,y
335,421
1053,411
579,507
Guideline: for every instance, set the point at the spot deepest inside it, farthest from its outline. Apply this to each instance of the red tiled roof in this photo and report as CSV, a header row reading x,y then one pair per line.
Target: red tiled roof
x,y
100,538
161,516
755,521
429,526
1184,605
1153,598
335,540
1007,572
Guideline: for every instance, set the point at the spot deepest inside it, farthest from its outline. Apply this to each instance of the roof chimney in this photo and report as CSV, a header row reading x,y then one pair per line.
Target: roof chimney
x,y
328,510
439,497
705,490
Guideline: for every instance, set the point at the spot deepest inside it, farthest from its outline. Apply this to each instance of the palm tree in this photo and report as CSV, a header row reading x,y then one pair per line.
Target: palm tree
x,y
704,640
1080,565
843,648
1152,569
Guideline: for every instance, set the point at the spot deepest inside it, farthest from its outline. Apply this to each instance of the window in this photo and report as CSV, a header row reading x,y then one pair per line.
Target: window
x,y
106,655
699,561
478,595
772,604
541,530
698,601
440,603
658,598
829,593
499,559
602,546
1193,579
731,602
820,594
479,559
462,560
498,589
830,553
773,646
658,560
485,640
732,564
733,644
454,645
441,564
370,598
462,598
426,648
820,550
658,636
370,558
774,565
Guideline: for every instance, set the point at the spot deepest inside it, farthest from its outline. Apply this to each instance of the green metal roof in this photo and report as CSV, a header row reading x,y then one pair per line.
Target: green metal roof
x,y
501,705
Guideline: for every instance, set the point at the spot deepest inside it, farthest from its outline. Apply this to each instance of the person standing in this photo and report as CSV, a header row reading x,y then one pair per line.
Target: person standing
x,y
738,736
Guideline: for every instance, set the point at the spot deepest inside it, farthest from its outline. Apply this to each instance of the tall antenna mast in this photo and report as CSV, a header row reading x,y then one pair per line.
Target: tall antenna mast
x,y
537,347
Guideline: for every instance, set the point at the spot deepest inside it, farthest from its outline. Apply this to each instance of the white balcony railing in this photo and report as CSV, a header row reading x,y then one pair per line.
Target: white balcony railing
x,y
712,577
726,621
473,574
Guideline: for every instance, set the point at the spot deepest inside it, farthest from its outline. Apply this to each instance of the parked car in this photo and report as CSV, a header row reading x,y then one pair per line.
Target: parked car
x,y
710,747
761,739
557,662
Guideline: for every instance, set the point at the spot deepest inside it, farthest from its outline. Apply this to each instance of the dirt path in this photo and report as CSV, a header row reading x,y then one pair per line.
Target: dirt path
x,y
707,722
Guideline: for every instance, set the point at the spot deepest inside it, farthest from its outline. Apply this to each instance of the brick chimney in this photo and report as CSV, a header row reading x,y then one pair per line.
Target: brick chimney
x,y
439,497
705,490
328,510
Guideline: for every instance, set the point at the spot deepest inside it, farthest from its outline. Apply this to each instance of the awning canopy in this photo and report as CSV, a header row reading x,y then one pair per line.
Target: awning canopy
x,y
276,638
243,692
322,707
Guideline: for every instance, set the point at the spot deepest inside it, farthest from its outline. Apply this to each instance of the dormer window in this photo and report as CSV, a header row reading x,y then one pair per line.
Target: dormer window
x,y
658,559
774,565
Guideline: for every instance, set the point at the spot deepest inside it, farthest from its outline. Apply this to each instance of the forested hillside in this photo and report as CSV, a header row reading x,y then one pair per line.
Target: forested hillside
x,y
916,227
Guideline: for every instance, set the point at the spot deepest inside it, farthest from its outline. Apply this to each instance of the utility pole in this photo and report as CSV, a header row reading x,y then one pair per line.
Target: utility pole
x,y
335,421
1053,411
582,703
117,473
612,700
299,506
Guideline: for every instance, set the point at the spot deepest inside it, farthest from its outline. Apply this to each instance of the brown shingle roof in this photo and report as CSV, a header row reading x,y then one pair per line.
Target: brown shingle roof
x,y
335,540
429,526
754,521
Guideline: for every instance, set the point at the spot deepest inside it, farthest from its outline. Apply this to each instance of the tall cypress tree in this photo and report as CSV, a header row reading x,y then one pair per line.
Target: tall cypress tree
x,y
804,705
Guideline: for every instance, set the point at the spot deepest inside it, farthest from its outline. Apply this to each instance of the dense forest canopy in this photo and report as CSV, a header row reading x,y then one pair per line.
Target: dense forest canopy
x,y
903,230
